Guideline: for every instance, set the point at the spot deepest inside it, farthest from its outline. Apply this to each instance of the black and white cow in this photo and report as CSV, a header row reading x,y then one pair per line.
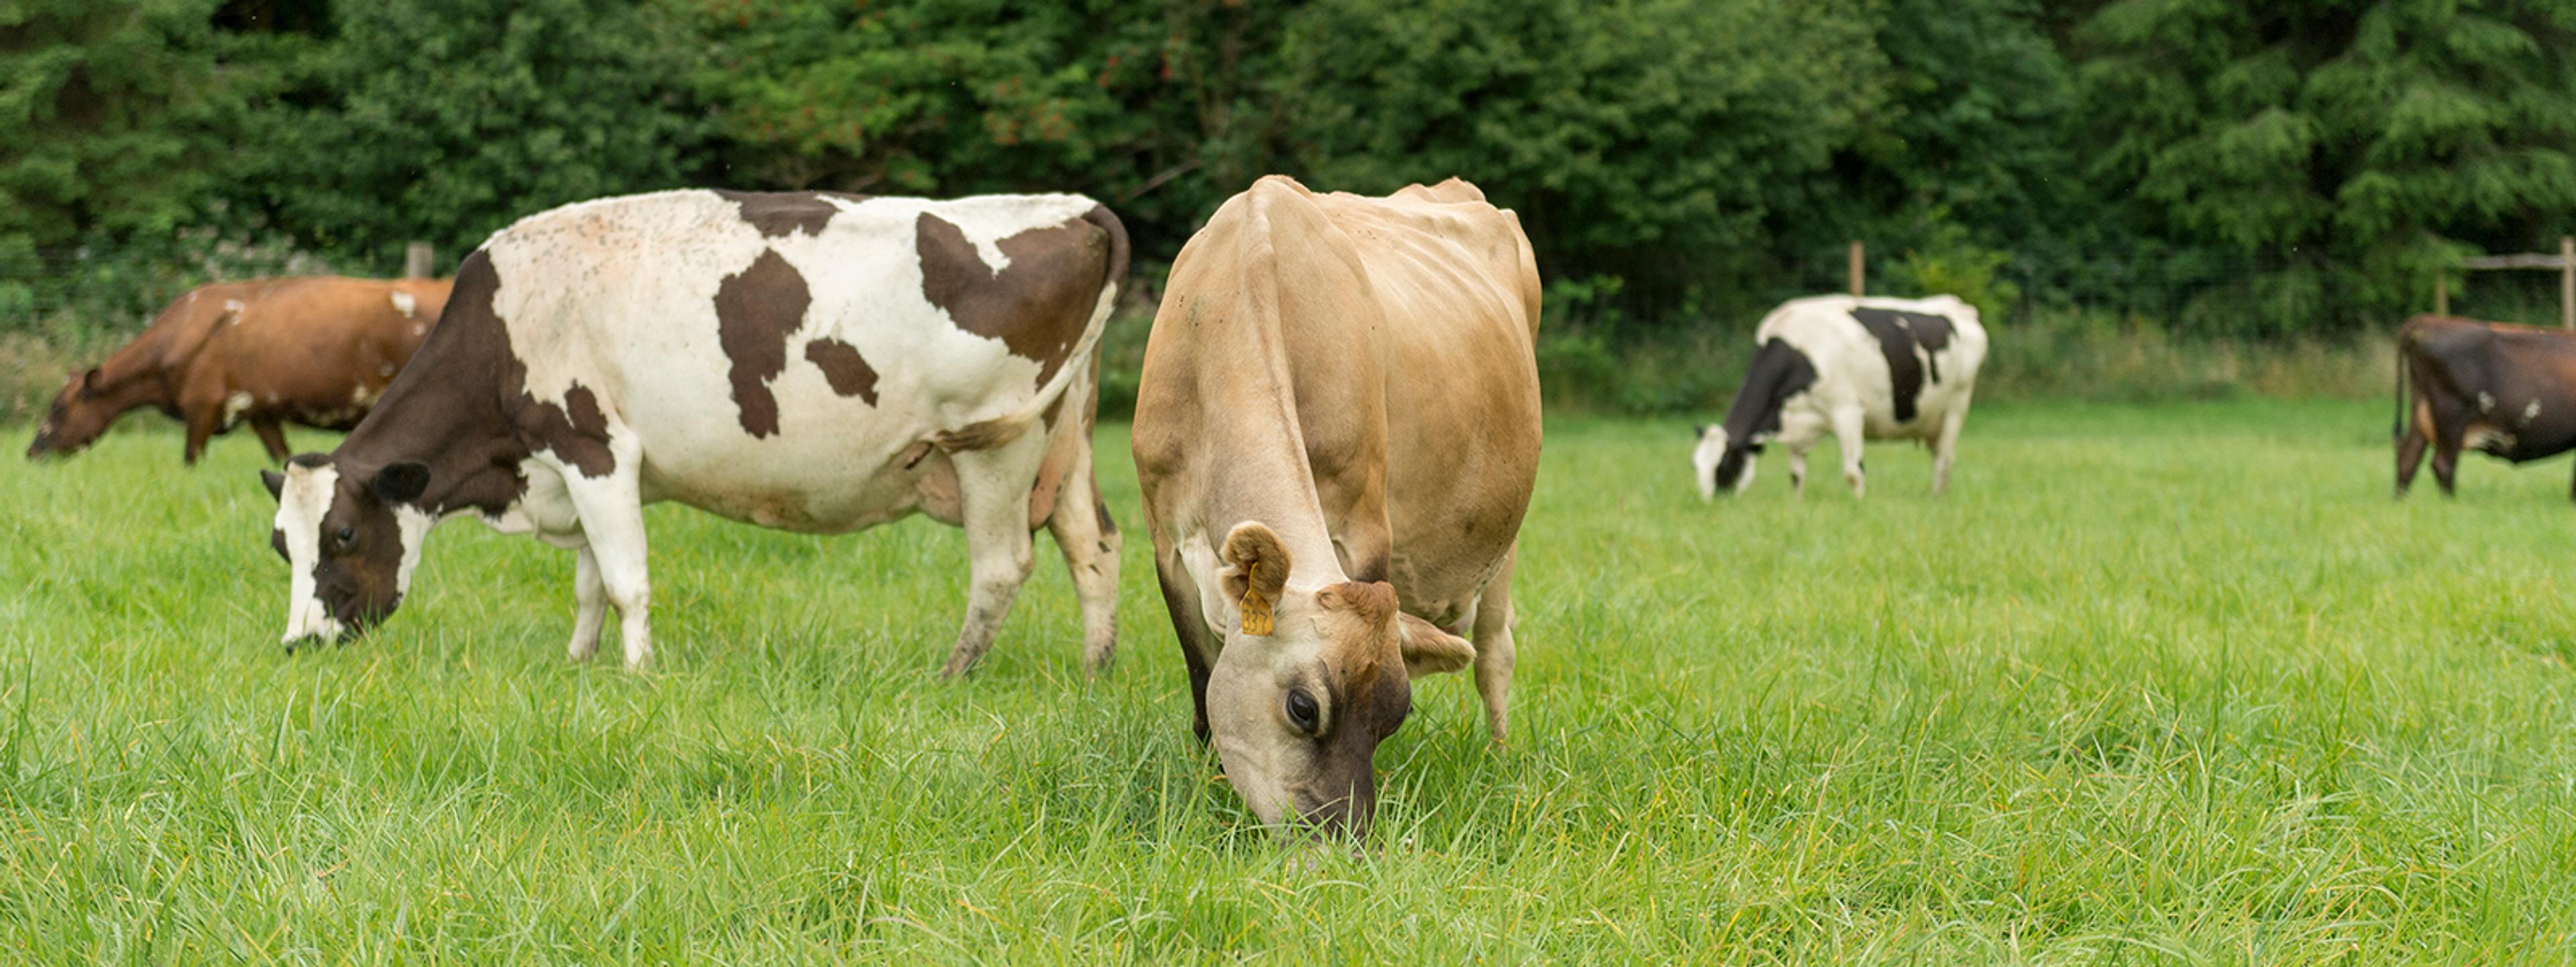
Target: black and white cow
x,y
1858,368
810,362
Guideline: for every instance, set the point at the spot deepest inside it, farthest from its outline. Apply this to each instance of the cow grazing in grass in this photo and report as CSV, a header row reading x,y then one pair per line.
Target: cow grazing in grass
x,y
2502,389
314,351
1857,368
1337,431
809,362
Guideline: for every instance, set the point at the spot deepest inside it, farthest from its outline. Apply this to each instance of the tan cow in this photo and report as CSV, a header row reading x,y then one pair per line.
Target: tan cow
x,y
314,351
1337,432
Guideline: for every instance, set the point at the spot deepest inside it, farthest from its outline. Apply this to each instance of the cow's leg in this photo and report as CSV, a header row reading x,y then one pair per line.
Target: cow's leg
x,y
993,485
201,428
1090,543
590,604
272,436
2410,449
612,519
1798,470
1181,601
1945,448
2446,458
1494,648
1848,424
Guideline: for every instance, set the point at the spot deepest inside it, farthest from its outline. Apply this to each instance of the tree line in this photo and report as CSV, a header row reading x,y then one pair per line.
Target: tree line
x,y
2293,167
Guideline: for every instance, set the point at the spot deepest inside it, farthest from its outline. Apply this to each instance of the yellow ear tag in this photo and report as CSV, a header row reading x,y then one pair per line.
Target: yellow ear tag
x,y
1256,608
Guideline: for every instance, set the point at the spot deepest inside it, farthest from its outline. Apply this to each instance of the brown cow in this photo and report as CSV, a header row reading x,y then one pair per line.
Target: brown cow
x,y
2504,389
315,351
1337,433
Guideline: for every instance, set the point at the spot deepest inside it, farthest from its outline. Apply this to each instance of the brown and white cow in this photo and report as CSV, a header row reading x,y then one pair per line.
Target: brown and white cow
x,y
315,351
2503,389
809,362
1337,432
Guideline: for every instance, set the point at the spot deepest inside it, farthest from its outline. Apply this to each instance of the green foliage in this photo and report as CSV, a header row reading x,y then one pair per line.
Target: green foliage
x,y
1970,148
1950,264
2355,145
444,121
899,97
1647,139
114,111
2228,166
1162,109
116,114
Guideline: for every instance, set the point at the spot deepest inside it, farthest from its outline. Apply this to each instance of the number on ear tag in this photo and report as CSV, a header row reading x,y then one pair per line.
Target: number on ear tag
x,y
1257,618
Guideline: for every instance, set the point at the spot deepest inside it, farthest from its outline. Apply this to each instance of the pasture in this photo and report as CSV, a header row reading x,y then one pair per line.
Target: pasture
x,y
2153,684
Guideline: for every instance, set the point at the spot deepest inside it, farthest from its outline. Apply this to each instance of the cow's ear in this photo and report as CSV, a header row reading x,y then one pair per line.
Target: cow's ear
x,y
400,483
89,383
276,483
1256,572
1429,650
1372,601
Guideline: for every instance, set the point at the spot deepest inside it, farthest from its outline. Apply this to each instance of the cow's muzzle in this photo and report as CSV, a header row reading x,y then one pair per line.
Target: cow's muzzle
x,y
1344,817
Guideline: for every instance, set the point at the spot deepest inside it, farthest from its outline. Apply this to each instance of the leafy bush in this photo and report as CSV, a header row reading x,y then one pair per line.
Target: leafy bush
x,y
1952,266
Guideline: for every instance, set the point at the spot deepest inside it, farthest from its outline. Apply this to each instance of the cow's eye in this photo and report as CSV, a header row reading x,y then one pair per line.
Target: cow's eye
x,y
1301,710
347,536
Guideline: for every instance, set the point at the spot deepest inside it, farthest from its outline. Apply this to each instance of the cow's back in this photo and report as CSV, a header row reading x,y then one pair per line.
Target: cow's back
x,y
1853,367
1405,327
1457,292
2505,388
180,331
771,356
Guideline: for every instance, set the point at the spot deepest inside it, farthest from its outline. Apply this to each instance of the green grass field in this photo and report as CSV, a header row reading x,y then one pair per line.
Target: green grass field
x,y
2172,684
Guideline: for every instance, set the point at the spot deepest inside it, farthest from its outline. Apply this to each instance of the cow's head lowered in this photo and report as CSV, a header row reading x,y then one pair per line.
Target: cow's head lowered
x,y
350,537
1309,681
77,418
1722,464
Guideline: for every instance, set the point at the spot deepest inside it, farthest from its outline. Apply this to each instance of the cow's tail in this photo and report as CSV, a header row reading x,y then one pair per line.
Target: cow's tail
x,y
2397,429
1001,430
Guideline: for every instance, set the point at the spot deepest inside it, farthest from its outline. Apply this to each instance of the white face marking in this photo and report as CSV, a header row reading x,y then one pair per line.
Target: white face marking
x,y
1712,445
306,496
234,406
405,304
414,525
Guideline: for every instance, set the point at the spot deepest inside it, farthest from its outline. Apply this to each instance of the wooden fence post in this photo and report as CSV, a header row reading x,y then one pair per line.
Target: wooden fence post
x,y
2567,280
2442,292
416,260
1859,269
